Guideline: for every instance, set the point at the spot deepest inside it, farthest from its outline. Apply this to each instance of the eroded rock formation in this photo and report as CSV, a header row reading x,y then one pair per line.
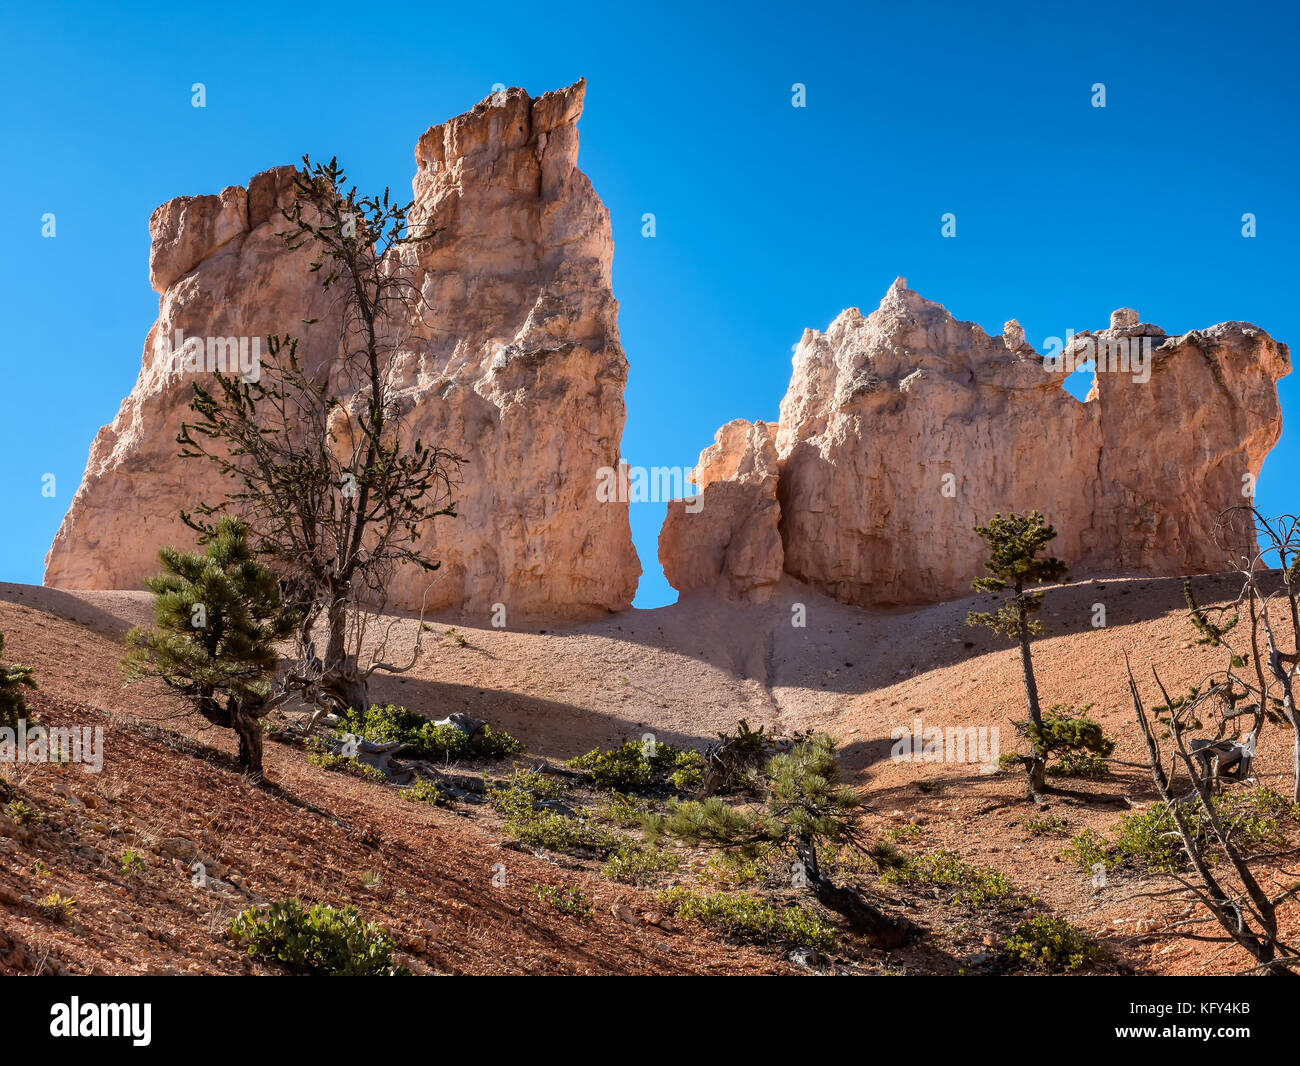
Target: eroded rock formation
x,y
738,544
903,429
516,364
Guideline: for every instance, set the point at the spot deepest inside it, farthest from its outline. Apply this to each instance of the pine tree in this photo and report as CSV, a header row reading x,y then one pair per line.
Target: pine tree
x,y
217,617
806,810
1015,542
1212,632
13,681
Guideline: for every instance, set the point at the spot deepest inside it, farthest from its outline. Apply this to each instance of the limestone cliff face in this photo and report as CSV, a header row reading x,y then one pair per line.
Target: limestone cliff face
x,y
516,364
903,429
728,535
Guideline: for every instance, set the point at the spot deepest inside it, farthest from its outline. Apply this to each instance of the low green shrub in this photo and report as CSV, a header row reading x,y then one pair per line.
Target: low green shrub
x,y
132,862
638,864
571,900
1080,764
624,810
323,940
750,918
1053,944
496,743
528,820
1087,850
318,754
426,790
885,855
730,868
1148,840
688,771
1047,825
1258,818
425,739
974,886
636,766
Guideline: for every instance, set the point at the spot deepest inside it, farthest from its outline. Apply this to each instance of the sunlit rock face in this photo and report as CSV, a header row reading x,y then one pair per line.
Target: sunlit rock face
x,y
515,363
903,429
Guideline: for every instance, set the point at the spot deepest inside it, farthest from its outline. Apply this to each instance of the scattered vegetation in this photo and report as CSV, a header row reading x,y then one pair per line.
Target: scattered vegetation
x,y
624,810
731,868
423,738
15,681
638,864
570,901
1081,765
1230,877
1046,825
533,814
1148,841
131,862
750,918
318,754
973,886
1087,850
57,907
640,766
426,790
322,940
805,811
1051,943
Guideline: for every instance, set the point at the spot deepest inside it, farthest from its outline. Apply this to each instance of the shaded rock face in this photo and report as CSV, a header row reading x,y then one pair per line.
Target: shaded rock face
x,y
903,429
515,363
727,537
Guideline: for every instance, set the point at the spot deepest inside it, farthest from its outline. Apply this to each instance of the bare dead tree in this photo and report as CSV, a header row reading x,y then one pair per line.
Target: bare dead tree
x,y
1262,664
325,471
1225,877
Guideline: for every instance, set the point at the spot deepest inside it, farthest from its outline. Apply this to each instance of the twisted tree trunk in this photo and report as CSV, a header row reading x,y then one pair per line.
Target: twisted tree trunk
x,y
879,929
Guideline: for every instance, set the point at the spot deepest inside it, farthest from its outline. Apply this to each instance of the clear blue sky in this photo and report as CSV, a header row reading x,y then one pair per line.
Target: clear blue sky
x,y
770,218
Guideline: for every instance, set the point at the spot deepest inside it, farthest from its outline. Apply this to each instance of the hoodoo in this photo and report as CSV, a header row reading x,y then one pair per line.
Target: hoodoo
x,y
516,365
903,429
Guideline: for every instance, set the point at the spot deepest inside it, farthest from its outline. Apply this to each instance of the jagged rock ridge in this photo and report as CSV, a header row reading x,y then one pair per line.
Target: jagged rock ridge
x,y
903,429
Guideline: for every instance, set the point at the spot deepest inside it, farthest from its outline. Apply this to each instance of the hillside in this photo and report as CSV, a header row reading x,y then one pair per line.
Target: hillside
x,y
169,789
